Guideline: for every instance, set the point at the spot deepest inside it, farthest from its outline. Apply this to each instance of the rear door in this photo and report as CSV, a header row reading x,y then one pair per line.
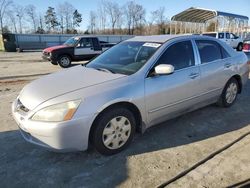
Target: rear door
x,y
234,41
228,39
215,68
168,95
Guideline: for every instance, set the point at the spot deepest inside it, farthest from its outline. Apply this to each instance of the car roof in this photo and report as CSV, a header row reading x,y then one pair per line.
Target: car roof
x,y
165,38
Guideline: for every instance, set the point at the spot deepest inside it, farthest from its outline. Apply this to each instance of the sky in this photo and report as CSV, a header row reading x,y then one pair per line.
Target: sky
x,y
172,7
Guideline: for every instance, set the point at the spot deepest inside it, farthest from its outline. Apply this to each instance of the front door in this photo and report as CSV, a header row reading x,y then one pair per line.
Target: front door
x,y
85,49
168,95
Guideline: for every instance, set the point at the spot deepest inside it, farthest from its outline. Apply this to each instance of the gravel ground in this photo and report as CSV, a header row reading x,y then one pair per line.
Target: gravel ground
x,y
158,155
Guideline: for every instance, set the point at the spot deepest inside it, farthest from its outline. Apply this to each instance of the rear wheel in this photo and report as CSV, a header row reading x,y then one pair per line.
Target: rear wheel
x,y
113,131
240,47
229,94
64,61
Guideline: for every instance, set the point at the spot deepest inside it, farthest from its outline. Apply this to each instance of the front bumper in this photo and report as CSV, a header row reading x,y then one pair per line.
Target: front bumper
x,y
65,136
48,57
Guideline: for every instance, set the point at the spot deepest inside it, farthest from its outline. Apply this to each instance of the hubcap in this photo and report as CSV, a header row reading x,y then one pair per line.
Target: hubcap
x,y
231,93
116,132
64,61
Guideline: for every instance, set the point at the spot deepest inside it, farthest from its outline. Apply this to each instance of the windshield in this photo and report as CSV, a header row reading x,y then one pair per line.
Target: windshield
x,y
125,58
71,41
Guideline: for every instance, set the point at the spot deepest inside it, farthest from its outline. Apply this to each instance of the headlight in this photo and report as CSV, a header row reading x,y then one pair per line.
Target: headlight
x,y
57,112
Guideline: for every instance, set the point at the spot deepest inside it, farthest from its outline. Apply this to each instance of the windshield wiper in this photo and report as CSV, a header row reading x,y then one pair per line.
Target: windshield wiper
x,y
105,70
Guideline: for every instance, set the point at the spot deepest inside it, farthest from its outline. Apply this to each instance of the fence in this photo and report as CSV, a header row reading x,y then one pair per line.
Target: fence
x,y
41,41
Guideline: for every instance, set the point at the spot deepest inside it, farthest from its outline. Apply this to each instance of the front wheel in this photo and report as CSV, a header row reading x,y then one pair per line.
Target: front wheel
x,y
114,130
64,61
229,93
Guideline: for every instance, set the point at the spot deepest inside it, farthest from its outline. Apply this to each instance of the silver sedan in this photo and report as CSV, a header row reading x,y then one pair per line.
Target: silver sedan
x,y
132,86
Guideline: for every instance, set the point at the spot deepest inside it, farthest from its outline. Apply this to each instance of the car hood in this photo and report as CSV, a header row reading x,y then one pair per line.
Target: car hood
x,y
50,49
63,82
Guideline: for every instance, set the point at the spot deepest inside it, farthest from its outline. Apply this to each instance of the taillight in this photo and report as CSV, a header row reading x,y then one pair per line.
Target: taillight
x,y
246,47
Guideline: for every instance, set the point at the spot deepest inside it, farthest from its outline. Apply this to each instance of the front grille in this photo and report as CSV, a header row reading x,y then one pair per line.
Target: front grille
x,y
20,107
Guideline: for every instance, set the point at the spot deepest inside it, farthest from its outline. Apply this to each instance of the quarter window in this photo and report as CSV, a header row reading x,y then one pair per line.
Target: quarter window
x,y
180,55
209,51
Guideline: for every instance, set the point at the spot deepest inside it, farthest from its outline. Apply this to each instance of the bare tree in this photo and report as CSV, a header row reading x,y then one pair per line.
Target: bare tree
x,y
114,12
41,22
4,5
102,17
160,19
13,20
66,11
139,19
135,16
32,14
20,14
92,19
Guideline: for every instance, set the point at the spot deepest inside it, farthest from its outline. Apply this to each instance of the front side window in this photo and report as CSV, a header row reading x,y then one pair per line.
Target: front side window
x,y
125,58
221,35
180,55
209,51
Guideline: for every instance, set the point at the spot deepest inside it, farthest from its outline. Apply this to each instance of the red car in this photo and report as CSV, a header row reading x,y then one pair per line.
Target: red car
x,y
246,44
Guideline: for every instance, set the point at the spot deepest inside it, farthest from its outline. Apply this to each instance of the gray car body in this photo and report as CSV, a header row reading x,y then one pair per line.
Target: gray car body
x,y
157,98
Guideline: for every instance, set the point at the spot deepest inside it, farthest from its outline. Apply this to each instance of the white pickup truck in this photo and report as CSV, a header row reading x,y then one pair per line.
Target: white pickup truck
x,y
230,38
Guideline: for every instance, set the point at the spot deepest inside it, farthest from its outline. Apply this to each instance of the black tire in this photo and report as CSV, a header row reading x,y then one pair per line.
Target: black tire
x,y
240,47
62,61
223,102
54,63
102,122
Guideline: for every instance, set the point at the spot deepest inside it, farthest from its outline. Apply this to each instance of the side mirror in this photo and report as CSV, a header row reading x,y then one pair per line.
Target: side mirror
x,y
164,69
78,45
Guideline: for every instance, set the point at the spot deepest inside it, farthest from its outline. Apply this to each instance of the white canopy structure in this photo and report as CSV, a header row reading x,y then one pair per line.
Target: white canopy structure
x,y
200,16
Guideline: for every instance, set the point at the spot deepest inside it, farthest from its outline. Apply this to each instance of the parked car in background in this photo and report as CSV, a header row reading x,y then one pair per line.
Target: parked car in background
x,y
132,86
246,44
246,47
75,49
229,38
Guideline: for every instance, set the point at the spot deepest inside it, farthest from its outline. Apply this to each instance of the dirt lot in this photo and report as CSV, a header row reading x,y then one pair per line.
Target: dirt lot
x,y
153,158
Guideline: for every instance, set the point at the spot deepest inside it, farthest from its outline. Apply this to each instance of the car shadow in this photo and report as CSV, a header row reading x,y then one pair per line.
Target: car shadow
x,y
23,164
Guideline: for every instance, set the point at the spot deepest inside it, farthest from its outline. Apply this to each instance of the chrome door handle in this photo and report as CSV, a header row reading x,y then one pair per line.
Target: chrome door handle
x,y
193,75
227,65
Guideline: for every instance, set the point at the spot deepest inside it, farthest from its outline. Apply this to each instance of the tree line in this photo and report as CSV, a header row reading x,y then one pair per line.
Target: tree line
x,y
16,18
109,18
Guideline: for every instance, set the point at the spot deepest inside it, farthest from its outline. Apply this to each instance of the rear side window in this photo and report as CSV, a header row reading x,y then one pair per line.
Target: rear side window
x,y
227,35
225,54
180,55
209,51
